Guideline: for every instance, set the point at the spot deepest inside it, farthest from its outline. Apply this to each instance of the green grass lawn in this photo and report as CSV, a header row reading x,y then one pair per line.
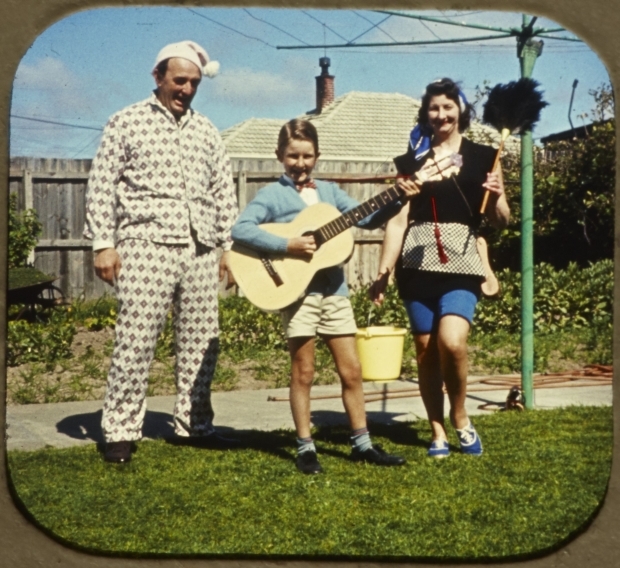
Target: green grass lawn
x,y
541,479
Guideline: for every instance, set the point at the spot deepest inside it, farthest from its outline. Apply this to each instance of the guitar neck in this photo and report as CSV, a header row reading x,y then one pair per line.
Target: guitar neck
x,y
347,220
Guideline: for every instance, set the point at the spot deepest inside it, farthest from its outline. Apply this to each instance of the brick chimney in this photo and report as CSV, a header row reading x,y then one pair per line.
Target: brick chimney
x,y
324,86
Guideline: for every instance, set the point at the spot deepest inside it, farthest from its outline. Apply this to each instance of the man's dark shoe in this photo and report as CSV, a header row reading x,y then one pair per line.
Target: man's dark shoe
x,y
307,462
118,452
376,455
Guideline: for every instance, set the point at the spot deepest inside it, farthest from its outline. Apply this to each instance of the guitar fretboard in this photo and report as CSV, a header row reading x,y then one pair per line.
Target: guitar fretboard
x,y
347,220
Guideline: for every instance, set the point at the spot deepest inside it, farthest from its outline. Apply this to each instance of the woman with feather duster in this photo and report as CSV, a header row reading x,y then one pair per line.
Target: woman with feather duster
x,y
431,247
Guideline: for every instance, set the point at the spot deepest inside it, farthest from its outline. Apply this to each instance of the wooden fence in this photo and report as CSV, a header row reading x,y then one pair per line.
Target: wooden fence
x,y
56,190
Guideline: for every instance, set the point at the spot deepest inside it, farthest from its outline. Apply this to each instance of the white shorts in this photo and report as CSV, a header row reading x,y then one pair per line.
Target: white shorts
x,y
316,314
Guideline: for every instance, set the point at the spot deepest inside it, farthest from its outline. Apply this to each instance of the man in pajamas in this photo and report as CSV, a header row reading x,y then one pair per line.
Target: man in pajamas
x,y
160,199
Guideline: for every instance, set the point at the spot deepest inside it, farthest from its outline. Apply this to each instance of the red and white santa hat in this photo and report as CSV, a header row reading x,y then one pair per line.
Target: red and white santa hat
x,y
192,52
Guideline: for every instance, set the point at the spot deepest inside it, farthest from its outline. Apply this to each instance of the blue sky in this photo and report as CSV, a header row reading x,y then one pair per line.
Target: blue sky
x,y
93,63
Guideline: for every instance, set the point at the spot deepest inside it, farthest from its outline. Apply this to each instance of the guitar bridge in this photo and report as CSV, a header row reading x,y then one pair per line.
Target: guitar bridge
x,y
271,271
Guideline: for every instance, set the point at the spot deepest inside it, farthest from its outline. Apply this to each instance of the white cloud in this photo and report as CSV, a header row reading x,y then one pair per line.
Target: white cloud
x,y
257,88
47,72
49,88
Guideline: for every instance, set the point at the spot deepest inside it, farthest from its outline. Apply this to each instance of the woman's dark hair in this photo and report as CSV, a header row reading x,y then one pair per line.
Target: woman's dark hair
x,y
451,90
298,129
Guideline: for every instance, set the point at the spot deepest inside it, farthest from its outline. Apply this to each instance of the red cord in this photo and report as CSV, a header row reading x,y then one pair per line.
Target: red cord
x,y
443,257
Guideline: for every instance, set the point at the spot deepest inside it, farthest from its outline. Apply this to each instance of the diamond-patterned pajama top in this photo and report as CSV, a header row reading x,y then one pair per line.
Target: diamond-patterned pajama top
x,y
152,178
161,193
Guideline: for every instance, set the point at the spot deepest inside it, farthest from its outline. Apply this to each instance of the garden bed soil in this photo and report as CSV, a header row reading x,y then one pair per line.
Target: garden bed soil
x,y
83,376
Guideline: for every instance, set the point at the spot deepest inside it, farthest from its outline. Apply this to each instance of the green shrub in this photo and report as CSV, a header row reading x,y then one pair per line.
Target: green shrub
x,y
572,298
564,300
46,342
24,231
243,326
573,197
97,315
391,312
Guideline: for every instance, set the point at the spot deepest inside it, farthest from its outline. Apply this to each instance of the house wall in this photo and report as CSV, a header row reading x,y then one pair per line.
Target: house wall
x,y
56,190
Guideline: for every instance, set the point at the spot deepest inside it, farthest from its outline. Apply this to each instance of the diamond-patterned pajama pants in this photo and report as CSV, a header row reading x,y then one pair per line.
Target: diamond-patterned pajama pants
x,y
152,278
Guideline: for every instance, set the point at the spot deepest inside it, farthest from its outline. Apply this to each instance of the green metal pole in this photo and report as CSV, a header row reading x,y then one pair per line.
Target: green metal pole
x,y
529,50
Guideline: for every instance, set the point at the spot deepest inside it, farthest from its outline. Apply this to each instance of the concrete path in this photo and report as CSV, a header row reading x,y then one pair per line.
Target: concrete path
x,y
34,426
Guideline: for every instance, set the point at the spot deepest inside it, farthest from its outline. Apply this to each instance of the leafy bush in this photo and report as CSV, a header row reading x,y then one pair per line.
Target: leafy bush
x,y
574,194
563,299
244,326
24,230
571,299
46,342
391,312
97,315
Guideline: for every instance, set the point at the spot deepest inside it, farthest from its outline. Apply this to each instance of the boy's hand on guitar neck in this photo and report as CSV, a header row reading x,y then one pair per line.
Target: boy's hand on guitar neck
x,y
301,246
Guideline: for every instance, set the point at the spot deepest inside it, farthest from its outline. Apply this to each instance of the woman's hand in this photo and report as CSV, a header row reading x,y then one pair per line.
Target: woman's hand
x,y
494,184
301,246
409,186
377,289
497,209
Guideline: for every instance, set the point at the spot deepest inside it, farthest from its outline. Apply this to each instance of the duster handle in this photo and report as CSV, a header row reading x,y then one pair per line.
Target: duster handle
x,y
505,134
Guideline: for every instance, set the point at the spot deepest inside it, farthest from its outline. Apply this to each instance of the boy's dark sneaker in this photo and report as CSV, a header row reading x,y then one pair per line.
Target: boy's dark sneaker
x,y
307,462
376,455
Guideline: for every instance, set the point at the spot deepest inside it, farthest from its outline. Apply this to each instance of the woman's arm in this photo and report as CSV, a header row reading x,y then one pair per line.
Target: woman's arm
x,y
392,245
497,209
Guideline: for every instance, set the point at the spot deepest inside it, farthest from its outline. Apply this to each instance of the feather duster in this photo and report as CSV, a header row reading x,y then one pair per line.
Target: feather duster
x,y
512,108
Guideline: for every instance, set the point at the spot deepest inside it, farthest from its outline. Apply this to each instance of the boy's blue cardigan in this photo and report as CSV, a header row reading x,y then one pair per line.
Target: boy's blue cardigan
x,y
279,202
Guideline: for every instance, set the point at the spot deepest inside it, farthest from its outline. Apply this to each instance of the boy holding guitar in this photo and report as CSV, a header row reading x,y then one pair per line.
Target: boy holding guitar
x,y
324,308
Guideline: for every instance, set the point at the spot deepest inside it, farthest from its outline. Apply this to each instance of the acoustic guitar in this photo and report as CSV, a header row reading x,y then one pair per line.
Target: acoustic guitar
x,y
272,281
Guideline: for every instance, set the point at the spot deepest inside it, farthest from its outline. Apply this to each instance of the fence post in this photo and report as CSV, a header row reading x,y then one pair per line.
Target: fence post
x,y
242,188
28,201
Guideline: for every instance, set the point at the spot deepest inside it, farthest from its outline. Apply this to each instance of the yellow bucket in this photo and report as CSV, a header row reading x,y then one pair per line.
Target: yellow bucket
x,y
380,351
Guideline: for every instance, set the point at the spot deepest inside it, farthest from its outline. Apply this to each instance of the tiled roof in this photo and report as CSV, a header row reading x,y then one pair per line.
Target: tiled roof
x,y
357,126
365,126
252,138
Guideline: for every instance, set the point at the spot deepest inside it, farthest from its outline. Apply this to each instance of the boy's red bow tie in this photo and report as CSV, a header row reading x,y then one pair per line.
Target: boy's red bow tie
x,y
307,183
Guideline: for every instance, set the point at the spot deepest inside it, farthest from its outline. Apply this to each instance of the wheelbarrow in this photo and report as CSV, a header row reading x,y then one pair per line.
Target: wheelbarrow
x,y
34,290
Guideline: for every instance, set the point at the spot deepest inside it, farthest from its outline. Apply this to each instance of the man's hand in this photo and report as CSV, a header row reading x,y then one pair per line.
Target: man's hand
x,y
226,271
107,265
301,246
